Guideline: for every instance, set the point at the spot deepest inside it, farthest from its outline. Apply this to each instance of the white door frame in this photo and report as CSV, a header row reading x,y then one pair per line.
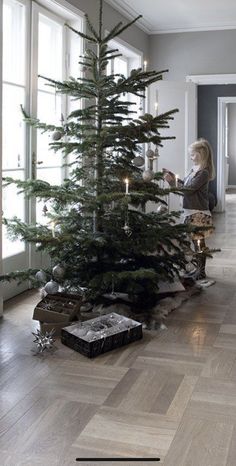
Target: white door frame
x,y
221,106
218,79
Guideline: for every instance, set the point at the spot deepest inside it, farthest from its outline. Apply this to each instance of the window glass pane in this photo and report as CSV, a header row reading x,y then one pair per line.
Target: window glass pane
x,y
76,51
49,111
52,176
14,41
121,66
13,205
50,50
13,127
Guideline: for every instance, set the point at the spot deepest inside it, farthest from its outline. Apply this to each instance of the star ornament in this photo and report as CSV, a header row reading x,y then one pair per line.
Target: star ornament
x,y
44,341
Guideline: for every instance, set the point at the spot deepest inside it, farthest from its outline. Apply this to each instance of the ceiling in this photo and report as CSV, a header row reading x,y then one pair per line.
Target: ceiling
x,y
166,16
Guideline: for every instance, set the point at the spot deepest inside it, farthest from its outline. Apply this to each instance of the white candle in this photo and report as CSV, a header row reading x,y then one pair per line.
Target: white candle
x,y
156,107
176,180
53,229
145,65
199,244
126,186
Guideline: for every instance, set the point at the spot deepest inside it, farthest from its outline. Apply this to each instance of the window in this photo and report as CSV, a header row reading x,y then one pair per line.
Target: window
x,y
26,153
130,59
14,95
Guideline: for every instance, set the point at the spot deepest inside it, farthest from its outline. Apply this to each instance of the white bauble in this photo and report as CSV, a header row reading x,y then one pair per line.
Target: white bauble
x,y
150,154
148,175
189,267
189,257
41,276
138,161
58,271
51,287
56,135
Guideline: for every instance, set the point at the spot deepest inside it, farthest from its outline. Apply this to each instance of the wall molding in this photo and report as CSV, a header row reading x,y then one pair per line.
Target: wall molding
x,y
202,79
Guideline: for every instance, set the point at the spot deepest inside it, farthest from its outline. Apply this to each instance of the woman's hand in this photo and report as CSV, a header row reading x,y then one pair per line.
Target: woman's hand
x,y
168,176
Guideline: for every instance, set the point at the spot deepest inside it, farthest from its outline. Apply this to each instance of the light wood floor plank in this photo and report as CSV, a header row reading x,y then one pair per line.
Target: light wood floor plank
x,y
171,394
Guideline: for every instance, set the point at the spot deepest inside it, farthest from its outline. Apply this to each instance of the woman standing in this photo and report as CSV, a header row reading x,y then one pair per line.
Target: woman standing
x,y
196,197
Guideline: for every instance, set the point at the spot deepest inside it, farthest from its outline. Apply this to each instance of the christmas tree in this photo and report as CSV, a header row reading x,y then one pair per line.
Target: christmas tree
x,y
99,237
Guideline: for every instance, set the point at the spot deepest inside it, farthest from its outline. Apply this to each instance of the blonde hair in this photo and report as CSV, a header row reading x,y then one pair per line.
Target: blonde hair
x,y
204,150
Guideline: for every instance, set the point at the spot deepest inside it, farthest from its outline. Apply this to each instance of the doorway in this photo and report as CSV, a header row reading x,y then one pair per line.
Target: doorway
x,y
226,156
211,122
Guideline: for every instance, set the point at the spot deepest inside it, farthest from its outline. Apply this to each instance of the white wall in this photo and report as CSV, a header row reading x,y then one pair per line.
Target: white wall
x,y
232,143
211,52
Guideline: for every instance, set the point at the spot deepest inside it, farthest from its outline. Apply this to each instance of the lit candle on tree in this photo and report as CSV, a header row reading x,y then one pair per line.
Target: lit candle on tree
x,y
145,65
126,185
176,180
199,245
156,107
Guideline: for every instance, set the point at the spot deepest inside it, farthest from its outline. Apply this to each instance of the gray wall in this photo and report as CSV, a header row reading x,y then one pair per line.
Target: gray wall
x,y
232,143
207,115
134,36
187,53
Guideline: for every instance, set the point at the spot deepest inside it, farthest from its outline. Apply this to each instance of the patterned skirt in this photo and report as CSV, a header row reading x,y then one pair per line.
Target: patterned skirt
x,y
200,219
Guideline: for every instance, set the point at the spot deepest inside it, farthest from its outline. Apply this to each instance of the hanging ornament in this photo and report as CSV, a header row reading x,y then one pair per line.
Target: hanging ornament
x,y
156,153
161,209
45,210
41,276
148,175
57,135
127,230
58,271
150,154
51,287
189,257
138,161
44,341
190,267
38,245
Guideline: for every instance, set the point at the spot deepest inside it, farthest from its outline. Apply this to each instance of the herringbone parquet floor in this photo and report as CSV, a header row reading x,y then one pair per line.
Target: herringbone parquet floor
x,y
171,395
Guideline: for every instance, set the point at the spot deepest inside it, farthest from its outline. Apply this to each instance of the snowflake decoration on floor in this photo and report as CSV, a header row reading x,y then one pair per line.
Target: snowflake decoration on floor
x,y
44,341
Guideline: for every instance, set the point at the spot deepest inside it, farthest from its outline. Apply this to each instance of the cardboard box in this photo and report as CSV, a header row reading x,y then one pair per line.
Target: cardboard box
x,y
101,334
59,307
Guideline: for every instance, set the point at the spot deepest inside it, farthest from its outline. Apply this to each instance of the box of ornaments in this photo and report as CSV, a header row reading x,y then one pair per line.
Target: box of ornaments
x,y
57,310
95,336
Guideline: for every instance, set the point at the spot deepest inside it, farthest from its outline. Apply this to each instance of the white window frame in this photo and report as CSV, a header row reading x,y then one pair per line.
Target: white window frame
x,y
67,13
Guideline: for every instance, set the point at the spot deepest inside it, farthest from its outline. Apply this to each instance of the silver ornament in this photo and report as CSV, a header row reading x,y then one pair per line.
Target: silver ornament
x,y
58,271
148,175
45,210
127,230
56,135
150,154
51,287
41,276
138,161
189,267
161,209
189,257
38,245
44,340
